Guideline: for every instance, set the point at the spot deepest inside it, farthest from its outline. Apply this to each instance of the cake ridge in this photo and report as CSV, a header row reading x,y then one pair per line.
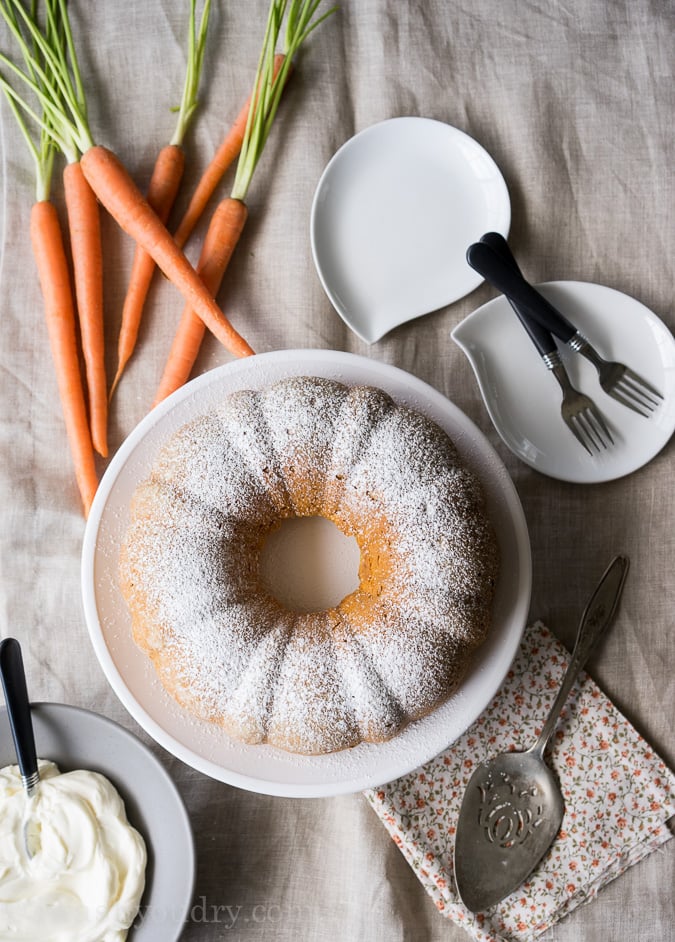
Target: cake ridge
x,y
258,439
375,724
375,408
256,687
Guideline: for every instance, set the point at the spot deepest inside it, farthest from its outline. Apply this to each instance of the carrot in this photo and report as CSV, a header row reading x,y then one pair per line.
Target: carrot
x,y
164,184
230,217
85,240
126,204
220,242
54,276
52,265
106,175
81,204
84,227
220,163
162,191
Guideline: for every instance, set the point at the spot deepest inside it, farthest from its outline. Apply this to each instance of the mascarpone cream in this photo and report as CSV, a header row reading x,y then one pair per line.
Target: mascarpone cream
x,y
86,878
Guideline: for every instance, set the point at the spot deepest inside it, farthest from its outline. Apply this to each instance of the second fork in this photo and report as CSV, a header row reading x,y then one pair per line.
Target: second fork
x,y
616,379
578,411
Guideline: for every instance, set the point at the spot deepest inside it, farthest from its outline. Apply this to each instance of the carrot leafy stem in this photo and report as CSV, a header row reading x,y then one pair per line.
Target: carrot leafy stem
x,y
267,88
51,74
42,151
195,60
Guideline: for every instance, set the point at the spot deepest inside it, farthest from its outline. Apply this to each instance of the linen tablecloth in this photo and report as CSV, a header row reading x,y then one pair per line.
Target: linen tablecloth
x,y
575,102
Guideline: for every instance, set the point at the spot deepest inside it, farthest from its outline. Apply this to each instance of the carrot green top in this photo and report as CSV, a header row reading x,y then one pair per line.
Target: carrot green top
x,y
51,73
267,89
42,150
195,60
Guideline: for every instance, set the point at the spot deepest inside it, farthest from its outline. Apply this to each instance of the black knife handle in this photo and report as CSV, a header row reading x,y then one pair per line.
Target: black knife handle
x,y
497,242
18,706
502,276
540,336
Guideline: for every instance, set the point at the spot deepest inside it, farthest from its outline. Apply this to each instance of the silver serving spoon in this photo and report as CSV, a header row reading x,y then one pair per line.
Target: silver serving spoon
x,y
512,808
18,709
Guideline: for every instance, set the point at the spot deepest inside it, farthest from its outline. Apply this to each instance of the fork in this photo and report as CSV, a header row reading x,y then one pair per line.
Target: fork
x,y
578,411
616,379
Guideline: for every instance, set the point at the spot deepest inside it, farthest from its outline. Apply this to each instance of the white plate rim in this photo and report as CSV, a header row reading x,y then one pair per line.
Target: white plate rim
x,y
333,364
607,468
470,279
55,716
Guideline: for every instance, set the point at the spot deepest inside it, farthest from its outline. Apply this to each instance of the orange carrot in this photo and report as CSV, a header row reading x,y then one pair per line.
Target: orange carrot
x,y
126,204
85,240
52,265
218,166
164,183
221,238
220,242
50,257
230,216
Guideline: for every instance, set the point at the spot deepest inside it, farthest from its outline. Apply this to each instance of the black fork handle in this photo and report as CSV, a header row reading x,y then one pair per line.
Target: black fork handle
x,y
492,266
540,336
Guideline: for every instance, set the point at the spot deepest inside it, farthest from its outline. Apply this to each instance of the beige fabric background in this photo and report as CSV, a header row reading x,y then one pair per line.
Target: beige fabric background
x,y
575,101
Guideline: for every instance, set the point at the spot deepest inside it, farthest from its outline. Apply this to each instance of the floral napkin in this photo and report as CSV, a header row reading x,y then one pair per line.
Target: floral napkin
x,y
618,797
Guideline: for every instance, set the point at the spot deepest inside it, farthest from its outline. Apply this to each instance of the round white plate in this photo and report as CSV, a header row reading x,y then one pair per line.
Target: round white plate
x,y
393,215
78,739
523,400
203,745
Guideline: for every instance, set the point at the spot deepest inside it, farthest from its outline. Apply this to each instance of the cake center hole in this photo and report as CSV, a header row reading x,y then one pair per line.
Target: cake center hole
x,y
309,565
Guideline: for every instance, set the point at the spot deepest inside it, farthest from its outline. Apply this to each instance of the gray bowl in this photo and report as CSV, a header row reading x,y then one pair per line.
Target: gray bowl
x,y
78,739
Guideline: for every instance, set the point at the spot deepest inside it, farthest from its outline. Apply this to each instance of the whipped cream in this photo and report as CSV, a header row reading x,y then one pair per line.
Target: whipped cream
x,y
85,880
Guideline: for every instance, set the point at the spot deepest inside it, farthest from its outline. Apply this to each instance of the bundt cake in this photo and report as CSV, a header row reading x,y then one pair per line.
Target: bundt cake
x,y
314,682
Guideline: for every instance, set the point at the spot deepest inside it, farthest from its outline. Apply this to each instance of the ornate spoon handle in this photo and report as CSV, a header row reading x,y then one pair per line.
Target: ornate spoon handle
x,y
597,617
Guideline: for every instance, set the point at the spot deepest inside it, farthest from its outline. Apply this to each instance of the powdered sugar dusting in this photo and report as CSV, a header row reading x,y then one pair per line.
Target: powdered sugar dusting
x,y
309,683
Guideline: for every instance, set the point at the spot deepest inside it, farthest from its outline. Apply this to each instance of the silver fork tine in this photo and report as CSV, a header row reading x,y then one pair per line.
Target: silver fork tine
x,y
629,402
600,422
579,424
593,433
579,413
643,385
585,418
576,431
631,385
618,381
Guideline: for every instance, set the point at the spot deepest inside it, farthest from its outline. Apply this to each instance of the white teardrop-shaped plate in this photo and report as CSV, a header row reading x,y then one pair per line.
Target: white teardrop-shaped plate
x,y
523,398
393,215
